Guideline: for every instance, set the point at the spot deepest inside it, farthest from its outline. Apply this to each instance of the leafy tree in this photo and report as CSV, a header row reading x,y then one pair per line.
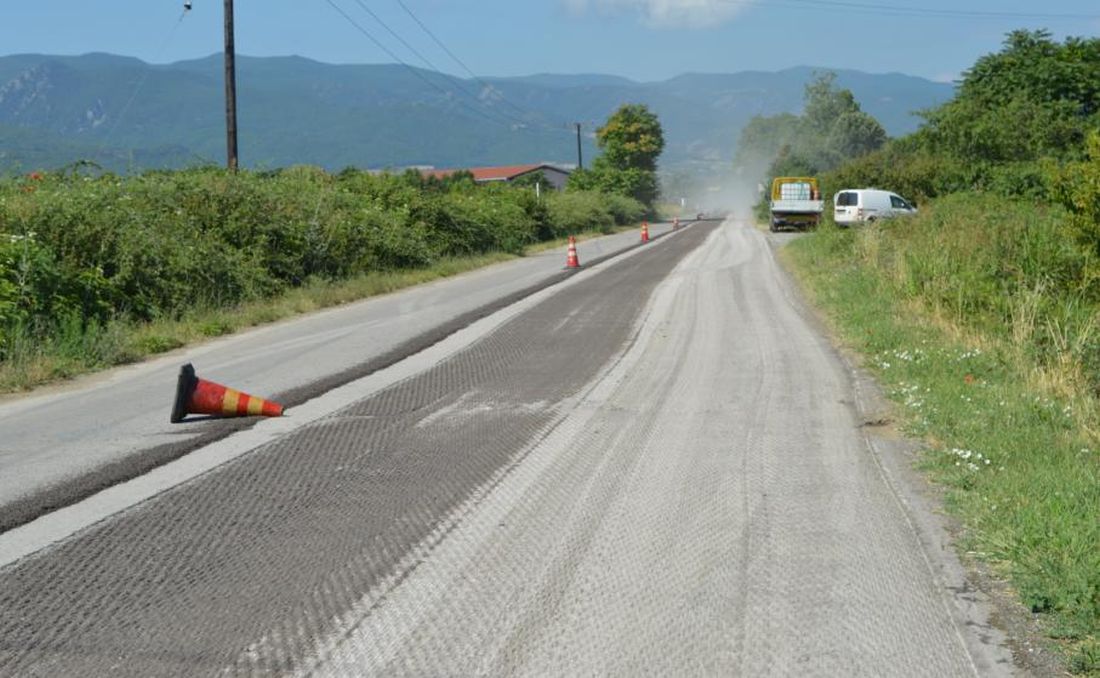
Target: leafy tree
x,y
641,185
1017,113
1039,69
631,141
790,163
825,104
831,130
855,133
581,180
631,138
1035,98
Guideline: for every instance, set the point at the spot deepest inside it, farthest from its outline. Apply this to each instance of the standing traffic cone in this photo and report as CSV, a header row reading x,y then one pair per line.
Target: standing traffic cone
x,y
645,231
571,260
199,396
675,223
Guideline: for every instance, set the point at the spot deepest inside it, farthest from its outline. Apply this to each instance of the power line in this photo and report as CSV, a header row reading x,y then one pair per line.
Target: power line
x,y
428,62
453,56
141,82
412,70
395,35
435,39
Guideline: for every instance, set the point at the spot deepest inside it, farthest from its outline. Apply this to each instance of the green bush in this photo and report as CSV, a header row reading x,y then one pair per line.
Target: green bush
x,y
999,266
162,244
1035,98
577,211
1077,187
624,210
919,175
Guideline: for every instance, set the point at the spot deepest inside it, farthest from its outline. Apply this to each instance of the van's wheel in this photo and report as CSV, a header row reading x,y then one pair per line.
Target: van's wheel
x,y
774,228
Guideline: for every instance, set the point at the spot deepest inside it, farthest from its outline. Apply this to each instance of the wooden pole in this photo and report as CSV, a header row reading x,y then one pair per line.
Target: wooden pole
x,y
580,160
230,91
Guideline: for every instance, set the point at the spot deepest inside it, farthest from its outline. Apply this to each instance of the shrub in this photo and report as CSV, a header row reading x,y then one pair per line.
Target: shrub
x,y
161,244
1077,187
999,266
577,211
624,210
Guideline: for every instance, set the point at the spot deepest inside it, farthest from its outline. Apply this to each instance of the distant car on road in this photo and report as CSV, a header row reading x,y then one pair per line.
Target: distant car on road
x,y
858,205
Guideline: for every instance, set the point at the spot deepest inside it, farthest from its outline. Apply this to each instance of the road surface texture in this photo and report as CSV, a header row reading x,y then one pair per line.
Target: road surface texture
x,y
71,440
657,469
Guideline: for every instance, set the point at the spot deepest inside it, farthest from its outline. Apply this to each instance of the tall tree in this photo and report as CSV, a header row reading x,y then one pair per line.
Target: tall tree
x,y
1035,98
631,138
855,133
825,104
631,141
831,130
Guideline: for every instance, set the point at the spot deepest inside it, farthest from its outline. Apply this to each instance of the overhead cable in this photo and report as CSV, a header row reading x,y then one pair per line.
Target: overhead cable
x,y
141,81
458,61
412,70
428,62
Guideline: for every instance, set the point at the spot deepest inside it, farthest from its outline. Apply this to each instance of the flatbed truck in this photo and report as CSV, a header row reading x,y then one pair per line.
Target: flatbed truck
x,y
795,201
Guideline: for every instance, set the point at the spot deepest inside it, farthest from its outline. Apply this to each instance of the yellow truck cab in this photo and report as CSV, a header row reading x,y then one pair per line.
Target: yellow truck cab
x,y
796,201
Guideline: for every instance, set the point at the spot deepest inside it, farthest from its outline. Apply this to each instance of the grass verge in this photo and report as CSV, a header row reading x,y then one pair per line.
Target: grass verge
x,y
1008,411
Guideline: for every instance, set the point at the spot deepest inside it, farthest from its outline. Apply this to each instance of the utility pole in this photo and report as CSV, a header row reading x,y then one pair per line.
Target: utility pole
x,y
230,91
580,160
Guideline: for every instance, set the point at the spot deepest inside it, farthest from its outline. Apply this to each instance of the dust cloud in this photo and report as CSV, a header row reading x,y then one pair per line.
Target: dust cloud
x,y
717,189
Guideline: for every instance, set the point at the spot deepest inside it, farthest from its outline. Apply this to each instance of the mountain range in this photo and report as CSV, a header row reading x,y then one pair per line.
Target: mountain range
x,y
125,114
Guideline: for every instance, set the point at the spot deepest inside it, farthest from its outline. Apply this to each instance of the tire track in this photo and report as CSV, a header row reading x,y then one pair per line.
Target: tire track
x,y
280,542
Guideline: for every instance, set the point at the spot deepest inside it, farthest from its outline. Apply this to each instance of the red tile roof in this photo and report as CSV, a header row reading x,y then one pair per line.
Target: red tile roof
x,y
487,173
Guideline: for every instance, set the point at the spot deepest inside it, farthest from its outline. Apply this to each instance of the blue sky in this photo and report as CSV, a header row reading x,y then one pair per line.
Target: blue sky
x,y
639,39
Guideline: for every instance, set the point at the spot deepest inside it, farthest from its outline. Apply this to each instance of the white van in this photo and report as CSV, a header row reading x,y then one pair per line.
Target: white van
x,y
855,205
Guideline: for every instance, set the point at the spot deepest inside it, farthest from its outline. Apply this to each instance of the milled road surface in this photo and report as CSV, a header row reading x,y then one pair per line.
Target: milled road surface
x,y
70,440
656,470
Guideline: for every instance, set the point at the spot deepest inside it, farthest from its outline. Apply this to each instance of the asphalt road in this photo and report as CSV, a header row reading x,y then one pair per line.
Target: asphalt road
x,y
657,466
65,442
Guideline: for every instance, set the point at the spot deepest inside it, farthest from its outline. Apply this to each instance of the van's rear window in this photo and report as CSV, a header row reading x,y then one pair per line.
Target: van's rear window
x,y
847,199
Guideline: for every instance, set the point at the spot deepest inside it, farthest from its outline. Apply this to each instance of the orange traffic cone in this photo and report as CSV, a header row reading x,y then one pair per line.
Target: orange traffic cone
x,y
199,396
645,232
571,260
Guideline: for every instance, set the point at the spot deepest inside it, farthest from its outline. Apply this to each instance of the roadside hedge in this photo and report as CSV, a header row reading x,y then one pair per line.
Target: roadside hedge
x,y
101,248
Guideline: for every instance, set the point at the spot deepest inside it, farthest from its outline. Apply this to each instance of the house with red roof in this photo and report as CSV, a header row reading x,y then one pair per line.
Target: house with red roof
x,y
555,176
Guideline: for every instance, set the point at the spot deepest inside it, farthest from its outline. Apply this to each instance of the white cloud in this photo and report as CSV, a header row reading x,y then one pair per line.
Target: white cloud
x,y
666,13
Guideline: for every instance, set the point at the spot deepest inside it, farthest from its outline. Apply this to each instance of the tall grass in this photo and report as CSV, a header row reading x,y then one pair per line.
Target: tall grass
x,y
87,263
980,318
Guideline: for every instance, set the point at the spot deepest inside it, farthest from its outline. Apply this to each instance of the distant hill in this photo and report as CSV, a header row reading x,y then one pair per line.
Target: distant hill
x,y
126,114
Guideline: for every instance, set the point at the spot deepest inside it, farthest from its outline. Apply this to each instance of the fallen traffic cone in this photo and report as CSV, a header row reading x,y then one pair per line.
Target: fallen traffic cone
x,y
645,232
571,260
199,396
